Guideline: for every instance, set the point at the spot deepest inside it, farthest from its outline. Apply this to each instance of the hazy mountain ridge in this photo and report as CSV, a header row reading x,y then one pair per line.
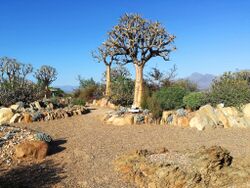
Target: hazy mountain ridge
x,y
202,80
67,88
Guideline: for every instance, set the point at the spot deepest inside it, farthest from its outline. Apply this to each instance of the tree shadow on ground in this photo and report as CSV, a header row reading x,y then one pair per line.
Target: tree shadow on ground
x,y
55,146
44,174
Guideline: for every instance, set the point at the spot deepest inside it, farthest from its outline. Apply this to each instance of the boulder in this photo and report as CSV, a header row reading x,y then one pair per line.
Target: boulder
x,y
198,122
206,117
17,106
15,118
165,116
246,110
94,102
103,102
183,121
231,117
209,112
33,149
121,120
5,115
112,106
139,119
37,105
27,118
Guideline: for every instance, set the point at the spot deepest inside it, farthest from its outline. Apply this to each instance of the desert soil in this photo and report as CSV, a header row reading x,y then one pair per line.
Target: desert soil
x,y
85,149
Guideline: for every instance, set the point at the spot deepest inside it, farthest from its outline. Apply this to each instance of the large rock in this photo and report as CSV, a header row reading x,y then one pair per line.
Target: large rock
x,y
246,110
5,115
199,122
205,117
27,118
209,112
165,116
37,105
32,149
127,119
231,117
103,102
15,118
183,121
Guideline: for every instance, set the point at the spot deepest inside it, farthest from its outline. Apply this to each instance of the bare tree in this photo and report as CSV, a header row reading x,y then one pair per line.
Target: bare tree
x,y
136,40
45,76
157,79
105,55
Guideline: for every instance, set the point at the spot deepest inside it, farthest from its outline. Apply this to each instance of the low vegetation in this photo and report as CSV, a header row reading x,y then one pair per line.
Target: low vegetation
x,y
14,85
231,89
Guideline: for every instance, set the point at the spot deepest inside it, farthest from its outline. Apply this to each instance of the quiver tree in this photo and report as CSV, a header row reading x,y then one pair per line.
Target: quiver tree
x,y
45,76
13,72
106,55
136,40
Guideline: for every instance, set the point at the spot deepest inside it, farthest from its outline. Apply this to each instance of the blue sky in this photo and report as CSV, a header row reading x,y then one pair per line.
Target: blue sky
x,y
213,36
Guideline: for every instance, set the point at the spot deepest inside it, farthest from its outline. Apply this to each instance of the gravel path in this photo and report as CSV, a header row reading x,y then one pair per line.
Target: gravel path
x,y
86,146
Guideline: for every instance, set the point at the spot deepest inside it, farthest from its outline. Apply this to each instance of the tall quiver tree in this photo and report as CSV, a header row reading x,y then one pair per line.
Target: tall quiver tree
x,y
136,40
106,55
45,76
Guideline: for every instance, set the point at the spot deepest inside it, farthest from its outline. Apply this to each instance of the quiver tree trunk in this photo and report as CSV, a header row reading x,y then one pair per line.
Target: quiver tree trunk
x,y
46,92
138,93
108,81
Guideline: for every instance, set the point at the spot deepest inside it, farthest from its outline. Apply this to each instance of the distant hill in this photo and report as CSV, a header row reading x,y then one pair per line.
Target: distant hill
x,y
202,80
67,88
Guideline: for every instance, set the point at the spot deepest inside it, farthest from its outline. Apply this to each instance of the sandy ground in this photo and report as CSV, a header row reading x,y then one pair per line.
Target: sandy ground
x,y
85,148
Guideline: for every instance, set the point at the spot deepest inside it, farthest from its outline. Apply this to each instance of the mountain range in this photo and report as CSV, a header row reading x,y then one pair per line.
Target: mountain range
x,y
203,81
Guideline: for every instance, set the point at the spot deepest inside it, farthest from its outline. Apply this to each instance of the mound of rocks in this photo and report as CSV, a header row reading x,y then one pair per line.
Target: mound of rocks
x,y
127,116
206,167
39,111
209,117
18,143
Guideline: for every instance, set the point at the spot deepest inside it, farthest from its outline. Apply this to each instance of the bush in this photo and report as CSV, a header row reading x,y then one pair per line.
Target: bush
x,y
77,101
187,84
57,92
122,91
230,89
89,90
28,92
171,98
147,93
122,86
155,107
194,100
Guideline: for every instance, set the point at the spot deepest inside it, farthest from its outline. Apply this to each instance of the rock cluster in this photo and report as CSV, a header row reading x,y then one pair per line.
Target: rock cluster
x,y
39,111
125,116
16,142
209,117
207,167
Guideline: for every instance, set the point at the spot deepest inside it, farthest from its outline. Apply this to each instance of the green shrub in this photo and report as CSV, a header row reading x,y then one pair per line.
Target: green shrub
x,y
171,98
77,101
122,91
187,84
89,90
229,89
194,100
26,92
155,107
146,97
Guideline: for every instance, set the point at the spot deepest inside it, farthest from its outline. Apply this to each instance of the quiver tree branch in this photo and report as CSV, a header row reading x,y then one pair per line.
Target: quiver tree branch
x,y
106,55
45,76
